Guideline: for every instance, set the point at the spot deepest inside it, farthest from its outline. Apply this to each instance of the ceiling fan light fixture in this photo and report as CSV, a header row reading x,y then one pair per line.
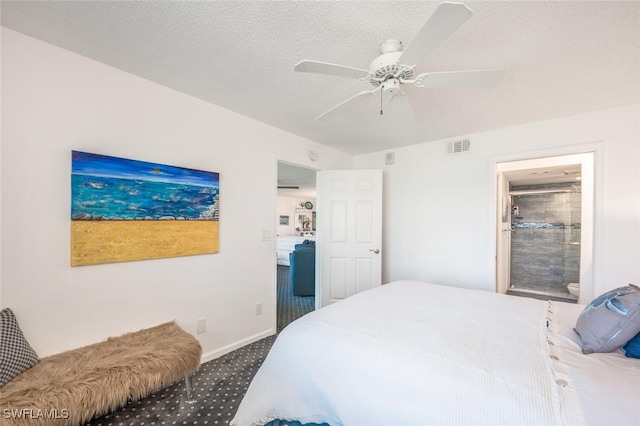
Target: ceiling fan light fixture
x,y
392,87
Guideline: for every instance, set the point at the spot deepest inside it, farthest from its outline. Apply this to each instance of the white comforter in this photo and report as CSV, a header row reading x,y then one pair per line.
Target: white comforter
x,y
411,353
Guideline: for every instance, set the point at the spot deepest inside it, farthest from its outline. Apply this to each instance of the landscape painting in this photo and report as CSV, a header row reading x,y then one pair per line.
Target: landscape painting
x,y
124,210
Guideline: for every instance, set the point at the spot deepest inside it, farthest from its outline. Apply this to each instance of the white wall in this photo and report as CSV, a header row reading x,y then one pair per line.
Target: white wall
x,y
287,207
54,101
439,209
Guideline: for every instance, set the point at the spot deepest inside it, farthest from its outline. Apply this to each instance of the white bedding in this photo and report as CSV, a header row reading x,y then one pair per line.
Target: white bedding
x,y
607,385
411,353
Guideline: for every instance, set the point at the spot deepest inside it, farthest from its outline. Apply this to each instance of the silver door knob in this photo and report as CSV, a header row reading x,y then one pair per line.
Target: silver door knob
x,y
376,251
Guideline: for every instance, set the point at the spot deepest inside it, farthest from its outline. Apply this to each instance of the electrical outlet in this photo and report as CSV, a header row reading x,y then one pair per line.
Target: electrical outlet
x,y
266,235
258,308
201,326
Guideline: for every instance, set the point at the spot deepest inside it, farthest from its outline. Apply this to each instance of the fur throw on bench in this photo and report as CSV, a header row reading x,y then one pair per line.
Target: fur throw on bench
x,y
72,387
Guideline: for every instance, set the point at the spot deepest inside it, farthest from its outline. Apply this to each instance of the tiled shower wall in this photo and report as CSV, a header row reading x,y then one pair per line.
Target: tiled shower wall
x,y
545,243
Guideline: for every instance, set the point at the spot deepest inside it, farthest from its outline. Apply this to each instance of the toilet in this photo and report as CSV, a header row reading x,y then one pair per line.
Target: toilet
x,y
574,289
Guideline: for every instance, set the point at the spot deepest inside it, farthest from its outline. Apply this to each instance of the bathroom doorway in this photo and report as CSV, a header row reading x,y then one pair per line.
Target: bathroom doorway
x,y
545,227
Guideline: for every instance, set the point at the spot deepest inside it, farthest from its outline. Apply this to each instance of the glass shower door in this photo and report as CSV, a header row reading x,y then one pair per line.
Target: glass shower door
x,y
545,242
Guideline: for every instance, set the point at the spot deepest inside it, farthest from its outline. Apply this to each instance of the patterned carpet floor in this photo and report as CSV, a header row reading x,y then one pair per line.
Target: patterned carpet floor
x,y
219,385
290,307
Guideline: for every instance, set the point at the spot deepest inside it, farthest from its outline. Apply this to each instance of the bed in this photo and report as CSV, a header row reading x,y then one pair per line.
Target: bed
x,y
411,353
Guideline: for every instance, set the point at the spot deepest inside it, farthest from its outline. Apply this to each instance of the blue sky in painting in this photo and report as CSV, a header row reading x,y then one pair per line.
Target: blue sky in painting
x,y
84,163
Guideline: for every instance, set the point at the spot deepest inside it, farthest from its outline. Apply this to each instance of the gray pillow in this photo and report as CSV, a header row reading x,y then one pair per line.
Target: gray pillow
x,y
610,320
16,355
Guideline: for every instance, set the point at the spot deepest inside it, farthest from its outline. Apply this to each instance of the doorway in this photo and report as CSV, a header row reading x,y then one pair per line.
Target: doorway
x,y
545,227
295,225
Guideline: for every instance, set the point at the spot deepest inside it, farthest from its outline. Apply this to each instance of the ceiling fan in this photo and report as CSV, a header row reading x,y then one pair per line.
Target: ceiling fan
x,y
395,66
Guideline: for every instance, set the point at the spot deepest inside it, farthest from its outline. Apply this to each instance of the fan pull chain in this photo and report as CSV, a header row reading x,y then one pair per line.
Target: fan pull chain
x,y
380,102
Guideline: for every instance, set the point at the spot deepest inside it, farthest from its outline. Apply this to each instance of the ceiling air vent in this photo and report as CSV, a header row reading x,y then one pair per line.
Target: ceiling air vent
x,y
457,147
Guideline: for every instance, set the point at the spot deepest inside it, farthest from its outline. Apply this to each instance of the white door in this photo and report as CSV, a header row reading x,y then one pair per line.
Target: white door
x,y
349,246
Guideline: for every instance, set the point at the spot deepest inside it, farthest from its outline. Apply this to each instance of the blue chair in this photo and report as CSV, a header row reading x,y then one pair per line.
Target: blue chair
x,y
302,270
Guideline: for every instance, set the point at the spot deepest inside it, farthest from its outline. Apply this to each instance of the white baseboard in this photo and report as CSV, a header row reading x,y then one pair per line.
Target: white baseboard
x,y
226,349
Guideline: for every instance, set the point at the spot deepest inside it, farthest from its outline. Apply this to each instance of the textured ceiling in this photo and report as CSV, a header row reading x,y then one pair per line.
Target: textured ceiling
x,y
561,58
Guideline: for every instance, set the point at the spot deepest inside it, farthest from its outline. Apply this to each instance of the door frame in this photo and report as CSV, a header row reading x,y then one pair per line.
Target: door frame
x,y
590,158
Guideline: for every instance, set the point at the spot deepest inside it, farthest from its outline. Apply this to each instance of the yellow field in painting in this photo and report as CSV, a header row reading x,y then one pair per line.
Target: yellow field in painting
x,y
108,241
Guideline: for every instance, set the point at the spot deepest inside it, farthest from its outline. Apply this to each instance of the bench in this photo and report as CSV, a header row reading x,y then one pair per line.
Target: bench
x,y
72,387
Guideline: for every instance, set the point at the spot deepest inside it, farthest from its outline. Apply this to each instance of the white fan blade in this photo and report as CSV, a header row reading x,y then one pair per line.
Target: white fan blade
x,y
399,110
330,69
365,108
327,114
446,19
475,78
